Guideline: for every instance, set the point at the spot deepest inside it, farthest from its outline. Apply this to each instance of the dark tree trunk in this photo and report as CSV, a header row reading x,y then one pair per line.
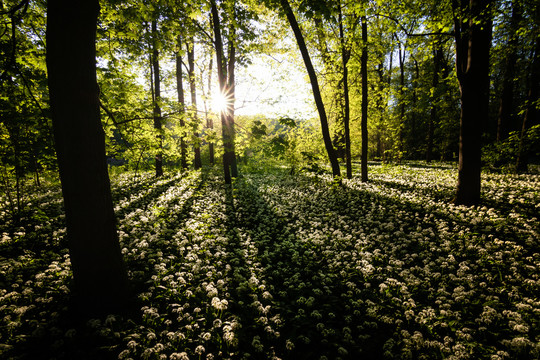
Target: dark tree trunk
x,y
364,110
473,42
532,114
433,114
504,121
100,280
182,105
401,100
157,100
194,118
231,93
345,55
209,120
413,140
222,77
315,87
380,110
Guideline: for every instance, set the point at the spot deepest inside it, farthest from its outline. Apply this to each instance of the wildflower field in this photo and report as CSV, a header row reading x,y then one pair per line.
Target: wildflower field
x,y
290,267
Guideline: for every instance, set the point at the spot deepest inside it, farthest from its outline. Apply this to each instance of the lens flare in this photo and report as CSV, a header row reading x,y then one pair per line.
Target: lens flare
x,y
219,102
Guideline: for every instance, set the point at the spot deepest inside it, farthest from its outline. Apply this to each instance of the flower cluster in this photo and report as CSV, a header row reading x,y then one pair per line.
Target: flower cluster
x,y
280,266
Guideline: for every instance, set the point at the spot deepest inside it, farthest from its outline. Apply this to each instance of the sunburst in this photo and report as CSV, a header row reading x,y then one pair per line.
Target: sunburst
x,y
220,102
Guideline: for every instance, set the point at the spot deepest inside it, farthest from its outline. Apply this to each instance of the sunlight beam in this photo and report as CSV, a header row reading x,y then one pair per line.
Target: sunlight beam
x,y
220,102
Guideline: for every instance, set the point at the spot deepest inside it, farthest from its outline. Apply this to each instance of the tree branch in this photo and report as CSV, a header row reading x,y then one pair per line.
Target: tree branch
x,y
408,33
16,8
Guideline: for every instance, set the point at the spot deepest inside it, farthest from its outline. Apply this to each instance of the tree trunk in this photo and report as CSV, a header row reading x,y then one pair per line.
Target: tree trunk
x,y
532,114
345,55
100,279
194,118
401,101
473,42
222,77
182,105
231,93
315,87
364,110
157,100
504,121
433,115
209,120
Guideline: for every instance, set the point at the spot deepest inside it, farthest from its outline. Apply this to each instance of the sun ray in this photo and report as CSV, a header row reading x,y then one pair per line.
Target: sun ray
x,y
220,102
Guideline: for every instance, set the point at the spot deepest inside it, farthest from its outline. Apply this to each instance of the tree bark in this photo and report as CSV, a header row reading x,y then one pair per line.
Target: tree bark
x,y
100,279
197,163
345,55
401,100
158,120
222,77
209,120
231,93
532,114
364,110
315,87
473,42
182,105
433,114
504,121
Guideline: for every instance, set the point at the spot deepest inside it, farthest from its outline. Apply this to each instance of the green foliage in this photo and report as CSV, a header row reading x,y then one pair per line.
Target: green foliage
x,y
502,156
296,142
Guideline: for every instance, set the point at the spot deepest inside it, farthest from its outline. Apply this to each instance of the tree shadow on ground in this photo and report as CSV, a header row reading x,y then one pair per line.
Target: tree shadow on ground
x,y
64,333
309,298
322,314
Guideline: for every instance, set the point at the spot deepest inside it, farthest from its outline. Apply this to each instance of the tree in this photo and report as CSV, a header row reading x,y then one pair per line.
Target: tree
x,y
100,279
332,156
181,104
532,111
227,121
506,107
193,90
156,99
364,74
473,22
345,56
26,140
433,113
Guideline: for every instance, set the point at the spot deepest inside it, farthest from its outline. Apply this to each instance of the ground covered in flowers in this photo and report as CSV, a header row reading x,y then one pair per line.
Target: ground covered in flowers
x,y
291,267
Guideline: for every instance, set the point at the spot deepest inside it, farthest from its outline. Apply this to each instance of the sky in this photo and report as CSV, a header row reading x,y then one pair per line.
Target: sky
x,y
274,86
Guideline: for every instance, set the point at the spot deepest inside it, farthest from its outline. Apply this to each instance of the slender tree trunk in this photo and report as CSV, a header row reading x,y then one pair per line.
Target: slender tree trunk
x,y
401,100
209,120
100,279
315,87
433,115
222,77
157,100
182,105
380,110
231,87
364,74
413,140
504,121
532,114
473,42
345,55
194,118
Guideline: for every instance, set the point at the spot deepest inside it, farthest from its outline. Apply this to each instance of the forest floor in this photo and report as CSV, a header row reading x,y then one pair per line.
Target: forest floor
x,y
291,267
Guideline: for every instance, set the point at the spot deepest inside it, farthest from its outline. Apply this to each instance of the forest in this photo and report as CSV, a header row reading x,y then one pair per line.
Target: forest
x,y
275,179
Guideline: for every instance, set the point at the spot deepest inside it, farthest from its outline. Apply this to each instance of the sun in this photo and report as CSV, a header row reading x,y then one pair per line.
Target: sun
x,y
219,102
